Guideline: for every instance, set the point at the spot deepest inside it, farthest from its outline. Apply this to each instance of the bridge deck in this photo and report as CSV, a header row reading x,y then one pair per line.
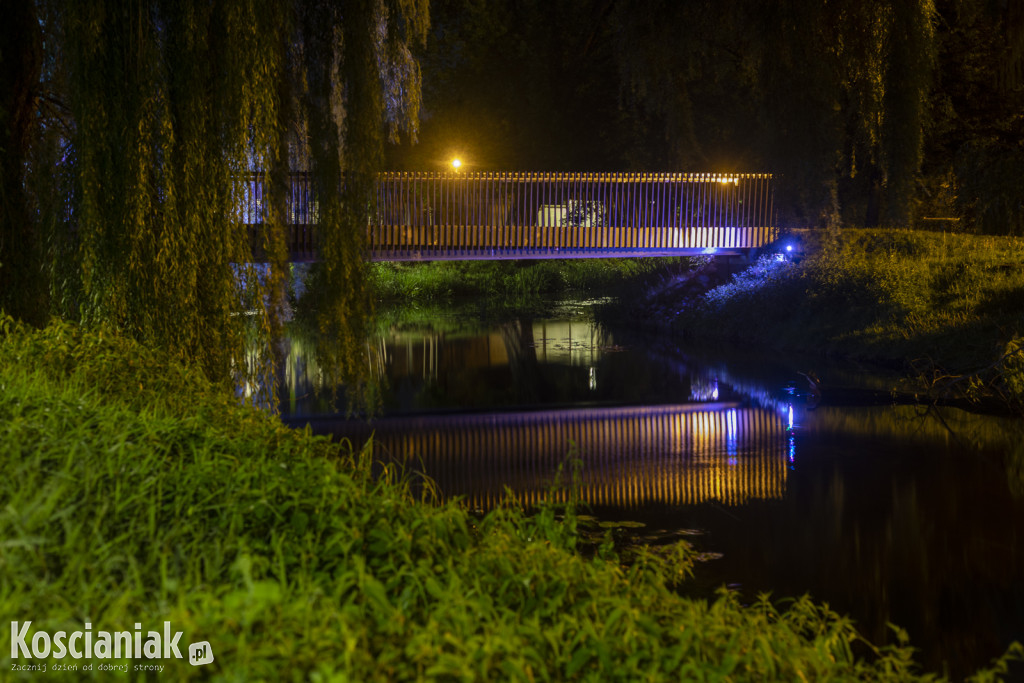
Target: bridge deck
x,y
428,216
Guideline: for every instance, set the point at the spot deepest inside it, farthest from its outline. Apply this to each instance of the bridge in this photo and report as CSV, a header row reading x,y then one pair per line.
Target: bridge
x,y
450,215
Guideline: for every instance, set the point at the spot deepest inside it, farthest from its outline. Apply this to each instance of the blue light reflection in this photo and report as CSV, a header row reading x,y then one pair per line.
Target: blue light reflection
x,y
731,433
790,437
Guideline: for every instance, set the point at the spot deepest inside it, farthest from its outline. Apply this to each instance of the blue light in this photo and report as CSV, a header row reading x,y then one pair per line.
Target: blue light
x,y
731,434
790,437
789,247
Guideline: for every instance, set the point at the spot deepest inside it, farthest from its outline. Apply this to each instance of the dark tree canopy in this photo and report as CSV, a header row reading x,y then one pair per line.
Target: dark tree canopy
x,y
975,146
22,288
132,185
867,112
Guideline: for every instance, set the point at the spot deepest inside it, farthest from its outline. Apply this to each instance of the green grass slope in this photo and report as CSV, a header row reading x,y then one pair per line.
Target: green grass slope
x,y
948,307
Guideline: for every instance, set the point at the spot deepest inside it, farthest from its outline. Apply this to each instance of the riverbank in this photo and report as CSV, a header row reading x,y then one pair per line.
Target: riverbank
x,y
135,492
518,285
946,310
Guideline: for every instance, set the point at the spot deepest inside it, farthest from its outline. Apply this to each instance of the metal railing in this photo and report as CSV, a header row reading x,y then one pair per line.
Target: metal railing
x,y
493,215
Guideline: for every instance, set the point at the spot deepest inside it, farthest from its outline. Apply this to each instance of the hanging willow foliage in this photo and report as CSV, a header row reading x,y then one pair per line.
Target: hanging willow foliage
x,y
22,286
910,63
838,89
174,103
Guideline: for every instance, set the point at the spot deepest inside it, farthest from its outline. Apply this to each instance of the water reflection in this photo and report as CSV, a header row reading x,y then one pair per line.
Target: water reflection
x,y
631,456
618,409
446,364
890,513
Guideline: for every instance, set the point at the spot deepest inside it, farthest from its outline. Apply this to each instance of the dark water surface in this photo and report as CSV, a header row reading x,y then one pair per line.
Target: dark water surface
x,y
889,513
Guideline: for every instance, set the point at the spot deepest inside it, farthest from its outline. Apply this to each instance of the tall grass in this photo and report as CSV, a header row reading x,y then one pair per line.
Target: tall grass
x,y
949,306
134,491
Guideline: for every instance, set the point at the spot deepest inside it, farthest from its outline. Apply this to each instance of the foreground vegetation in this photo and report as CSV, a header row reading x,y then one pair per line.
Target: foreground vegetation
x,y
948,308
137,492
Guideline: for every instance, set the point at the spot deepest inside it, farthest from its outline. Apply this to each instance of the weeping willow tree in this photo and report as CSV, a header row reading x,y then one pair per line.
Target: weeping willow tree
x,y
976,147
172,105
22,287
844,94
829,96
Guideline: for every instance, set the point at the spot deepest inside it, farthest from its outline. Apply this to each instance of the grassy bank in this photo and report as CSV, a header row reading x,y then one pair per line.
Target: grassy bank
x,y
134,492
514,284
947,308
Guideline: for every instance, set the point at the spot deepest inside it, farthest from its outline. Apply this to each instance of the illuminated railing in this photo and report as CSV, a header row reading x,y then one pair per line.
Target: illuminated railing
x,y
631,456
495,215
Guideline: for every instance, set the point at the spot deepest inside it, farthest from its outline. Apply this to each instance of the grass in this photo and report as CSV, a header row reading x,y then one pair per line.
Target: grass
x,y
135,492
513,284
948,307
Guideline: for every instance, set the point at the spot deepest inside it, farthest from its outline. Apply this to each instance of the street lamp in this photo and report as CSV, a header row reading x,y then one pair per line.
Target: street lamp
x,y
456,163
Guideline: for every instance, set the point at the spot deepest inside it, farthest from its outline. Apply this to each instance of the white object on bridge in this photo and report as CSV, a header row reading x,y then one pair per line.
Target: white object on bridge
x,y
573,213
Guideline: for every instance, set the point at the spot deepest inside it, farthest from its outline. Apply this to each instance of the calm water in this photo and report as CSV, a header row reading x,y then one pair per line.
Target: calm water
x,y
888,513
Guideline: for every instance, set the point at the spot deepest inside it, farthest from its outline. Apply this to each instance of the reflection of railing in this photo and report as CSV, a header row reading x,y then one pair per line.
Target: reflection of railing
x,y
480,215
678,454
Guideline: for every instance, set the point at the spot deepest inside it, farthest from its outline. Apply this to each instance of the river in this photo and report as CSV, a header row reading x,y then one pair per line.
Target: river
x,y
889,513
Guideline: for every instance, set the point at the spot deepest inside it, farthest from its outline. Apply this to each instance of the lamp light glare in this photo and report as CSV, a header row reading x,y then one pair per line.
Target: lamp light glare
x,y
456,163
